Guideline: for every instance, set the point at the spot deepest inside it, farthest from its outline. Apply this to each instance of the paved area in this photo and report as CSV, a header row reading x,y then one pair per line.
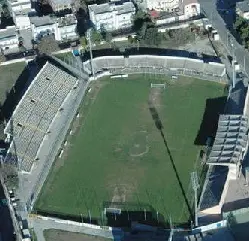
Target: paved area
x,y
40,225
199,46
208,7
216,235
27,37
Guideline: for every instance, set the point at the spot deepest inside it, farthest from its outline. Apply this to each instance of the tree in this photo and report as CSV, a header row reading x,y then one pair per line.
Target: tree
x,y
231,220
244,32
239,23
107,36
5,11
141,21
10,174
130,39
47,45
152,37
83,42
96,37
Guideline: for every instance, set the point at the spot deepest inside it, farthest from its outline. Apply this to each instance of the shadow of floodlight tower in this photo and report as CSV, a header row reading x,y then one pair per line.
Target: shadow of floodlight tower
x,y
159,126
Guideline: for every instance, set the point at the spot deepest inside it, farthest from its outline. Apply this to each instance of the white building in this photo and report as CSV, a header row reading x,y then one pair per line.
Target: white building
x,y
162,5
59,5
8,38
21,11
242,9
19,5
42,26
191,8
22,18
66,28
112,16
63,28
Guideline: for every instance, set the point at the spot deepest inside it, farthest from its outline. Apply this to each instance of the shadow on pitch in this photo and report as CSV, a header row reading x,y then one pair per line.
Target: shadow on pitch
x,y
214,107
159,126
13,96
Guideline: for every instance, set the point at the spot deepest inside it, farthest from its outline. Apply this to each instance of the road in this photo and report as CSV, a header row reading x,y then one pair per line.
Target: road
x,y
208,7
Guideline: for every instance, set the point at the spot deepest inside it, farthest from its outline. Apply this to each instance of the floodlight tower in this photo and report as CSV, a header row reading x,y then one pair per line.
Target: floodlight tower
x,y
89,33
195,186
233,65
171,230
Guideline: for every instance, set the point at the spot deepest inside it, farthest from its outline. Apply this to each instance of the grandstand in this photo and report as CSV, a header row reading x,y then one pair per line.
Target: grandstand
x,y
157,64
230,141
30,123
225,188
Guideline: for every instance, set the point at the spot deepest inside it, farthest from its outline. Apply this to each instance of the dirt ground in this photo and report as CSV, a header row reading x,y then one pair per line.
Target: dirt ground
x,y
59,235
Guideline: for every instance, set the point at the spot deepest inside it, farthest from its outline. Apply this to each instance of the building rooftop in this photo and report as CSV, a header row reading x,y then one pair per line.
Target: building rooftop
x,y
186,2
67,20
121,8
230,140
41,21
18,2
8,32
237,195
99,9
126,7
61,2
31,120
26,12
243,6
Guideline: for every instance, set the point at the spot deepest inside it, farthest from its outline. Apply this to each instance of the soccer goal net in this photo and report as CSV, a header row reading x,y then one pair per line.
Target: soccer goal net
x,y
112,211
158,85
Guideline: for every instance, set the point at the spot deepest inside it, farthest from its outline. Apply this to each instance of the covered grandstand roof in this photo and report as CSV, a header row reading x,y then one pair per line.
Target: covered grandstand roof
x,y
230,140
30,122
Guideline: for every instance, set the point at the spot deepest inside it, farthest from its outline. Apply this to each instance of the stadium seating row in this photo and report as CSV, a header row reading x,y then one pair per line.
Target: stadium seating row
x,y
168,63
32,117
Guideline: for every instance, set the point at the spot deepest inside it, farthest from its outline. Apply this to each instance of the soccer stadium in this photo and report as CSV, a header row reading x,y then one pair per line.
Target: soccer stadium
x,y
118,146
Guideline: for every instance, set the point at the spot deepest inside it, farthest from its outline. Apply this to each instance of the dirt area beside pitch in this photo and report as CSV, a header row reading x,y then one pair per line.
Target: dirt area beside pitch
x,y
59,235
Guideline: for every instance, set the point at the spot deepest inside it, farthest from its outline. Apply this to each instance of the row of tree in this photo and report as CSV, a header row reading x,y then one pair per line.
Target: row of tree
x,y
97,37
242,28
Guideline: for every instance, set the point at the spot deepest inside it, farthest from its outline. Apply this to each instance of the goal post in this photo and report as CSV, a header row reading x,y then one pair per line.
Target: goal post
x,y
163,86
112,211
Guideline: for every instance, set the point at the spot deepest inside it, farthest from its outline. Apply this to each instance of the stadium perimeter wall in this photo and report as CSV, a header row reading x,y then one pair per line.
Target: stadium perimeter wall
x,y
153,65
165,65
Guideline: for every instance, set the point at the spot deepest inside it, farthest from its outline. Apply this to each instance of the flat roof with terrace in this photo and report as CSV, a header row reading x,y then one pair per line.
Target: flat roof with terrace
x,y
67,20
8,33
122,8
41,21
243,7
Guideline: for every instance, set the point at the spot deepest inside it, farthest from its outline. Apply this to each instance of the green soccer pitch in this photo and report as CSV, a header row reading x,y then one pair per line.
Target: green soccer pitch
x,y
117,157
